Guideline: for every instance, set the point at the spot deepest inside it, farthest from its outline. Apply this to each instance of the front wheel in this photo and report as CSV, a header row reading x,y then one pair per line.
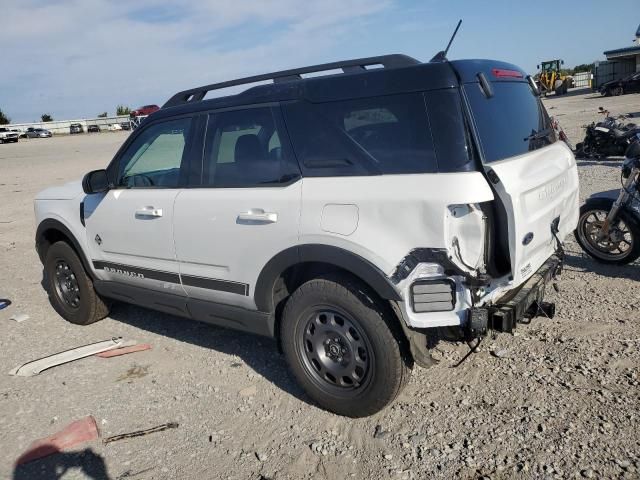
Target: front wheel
x,y
343,346
620,246
70,289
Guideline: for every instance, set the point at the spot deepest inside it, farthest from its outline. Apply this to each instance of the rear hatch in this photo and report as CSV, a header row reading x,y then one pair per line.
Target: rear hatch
x,y
534,175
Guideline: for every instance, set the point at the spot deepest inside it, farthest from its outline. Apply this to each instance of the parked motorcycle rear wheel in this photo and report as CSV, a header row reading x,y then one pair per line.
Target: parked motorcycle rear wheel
x,y
622,244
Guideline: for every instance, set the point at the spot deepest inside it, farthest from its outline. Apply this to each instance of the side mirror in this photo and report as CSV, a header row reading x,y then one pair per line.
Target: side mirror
x,y
561,62
95,181
537,67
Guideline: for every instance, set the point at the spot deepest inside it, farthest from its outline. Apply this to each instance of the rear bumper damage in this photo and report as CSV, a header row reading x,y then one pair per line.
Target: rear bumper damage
x,y
519,305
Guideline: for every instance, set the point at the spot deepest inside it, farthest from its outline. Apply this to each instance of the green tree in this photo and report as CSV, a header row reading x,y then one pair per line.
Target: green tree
x,y
4,119
584,67
46,117
102,115
122,110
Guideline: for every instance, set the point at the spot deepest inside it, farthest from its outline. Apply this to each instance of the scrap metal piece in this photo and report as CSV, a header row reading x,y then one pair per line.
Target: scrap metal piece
x,y
124,350
140,433
35,367
19,317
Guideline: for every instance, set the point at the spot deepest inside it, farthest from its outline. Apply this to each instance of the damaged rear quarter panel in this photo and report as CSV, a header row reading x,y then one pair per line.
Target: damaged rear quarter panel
x,y
396,213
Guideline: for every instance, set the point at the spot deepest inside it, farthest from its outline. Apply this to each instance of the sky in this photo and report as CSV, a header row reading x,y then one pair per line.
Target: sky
x,y
77,58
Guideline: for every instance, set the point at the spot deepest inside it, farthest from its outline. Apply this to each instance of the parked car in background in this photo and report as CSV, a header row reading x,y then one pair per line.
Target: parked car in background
x,y
37,133
125,125
7,135
114,127
145,110
75,128
619,87
93,129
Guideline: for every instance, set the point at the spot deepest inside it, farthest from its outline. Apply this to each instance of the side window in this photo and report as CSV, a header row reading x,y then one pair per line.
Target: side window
x,y
451,135
243,149
380,135
155,156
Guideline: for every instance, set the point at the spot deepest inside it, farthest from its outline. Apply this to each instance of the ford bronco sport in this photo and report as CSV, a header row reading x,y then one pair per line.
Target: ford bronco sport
x,y
356,217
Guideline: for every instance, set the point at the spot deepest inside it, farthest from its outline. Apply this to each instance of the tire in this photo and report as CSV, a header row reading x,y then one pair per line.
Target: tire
x,y
598,208
64,273
344,346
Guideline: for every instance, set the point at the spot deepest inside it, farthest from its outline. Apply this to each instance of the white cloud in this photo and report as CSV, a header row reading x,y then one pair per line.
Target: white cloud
x,y
80,57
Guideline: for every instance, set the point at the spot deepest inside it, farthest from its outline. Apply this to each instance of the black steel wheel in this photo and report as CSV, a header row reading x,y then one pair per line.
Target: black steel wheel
x,y
66,285
70,289
344,346
620,246
335,351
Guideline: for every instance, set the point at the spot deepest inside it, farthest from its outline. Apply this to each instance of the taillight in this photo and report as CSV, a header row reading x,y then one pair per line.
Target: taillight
x,y
503,73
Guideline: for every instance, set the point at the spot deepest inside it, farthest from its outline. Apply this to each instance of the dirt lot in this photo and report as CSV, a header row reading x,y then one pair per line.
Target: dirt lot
x,y
563,403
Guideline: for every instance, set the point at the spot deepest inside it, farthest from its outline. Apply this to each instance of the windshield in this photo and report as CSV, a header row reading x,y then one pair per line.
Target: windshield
x,y
511,122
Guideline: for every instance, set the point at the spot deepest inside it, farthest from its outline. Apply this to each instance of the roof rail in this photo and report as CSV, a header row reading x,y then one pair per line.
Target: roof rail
x,y
348,66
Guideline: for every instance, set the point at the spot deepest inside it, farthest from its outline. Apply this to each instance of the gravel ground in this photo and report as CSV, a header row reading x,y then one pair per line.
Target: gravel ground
x,y
561,402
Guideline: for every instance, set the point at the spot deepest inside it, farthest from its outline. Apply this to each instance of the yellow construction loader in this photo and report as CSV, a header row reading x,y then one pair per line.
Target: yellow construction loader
x,y
550,78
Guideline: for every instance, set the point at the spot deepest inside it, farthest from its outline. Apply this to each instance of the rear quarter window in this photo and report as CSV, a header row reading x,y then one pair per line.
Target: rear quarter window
x,y
511,122
367,136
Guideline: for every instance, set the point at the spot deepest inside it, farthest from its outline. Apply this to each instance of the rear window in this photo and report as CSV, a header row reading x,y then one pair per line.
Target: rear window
x,y
380,135
511,122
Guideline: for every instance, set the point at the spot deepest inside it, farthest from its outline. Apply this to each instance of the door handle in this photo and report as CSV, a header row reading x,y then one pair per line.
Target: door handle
x,y
149,212
257,216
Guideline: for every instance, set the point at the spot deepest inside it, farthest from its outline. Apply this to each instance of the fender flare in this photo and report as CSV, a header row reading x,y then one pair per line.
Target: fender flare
x,y
607,194
52,224
344,259
606,201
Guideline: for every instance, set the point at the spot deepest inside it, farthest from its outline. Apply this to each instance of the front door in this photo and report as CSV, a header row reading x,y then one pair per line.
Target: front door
x,y
245,210
130,228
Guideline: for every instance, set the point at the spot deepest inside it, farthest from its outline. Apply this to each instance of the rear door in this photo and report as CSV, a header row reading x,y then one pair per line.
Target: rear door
x,y
242,211
534,174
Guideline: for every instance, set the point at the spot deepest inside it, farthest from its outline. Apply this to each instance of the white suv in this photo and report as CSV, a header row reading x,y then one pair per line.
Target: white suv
x,y
354,217
7,135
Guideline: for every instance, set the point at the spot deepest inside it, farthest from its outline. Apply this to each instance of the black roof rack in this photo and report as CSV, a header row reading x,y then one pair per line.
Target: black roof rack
x,y
347,66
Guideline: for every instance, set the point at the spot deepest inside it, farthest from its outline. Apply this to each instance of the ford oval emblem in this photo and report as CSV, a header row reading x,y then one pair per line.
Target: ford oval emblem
x,y
527,238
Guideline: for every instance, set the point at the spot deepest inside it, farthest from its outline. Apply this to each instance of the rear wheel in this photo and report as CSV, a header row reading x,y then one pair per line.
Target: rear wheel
x,y
343,347
70,289
620,246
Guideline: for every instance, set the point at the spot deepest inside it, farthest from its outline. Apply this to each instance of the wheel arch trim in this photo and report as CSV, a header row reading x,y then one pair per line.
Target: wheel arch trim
x,y
53,224
317,253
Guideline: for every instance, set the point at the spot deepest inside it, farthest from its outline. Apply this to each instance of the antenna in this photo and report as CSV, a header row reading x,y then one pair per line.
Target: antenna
x,y
441,56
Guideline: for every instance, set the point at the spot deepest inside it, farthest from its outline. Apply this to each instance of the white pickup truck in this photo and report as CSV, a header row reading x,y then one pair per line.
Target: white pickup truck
x,y
7,135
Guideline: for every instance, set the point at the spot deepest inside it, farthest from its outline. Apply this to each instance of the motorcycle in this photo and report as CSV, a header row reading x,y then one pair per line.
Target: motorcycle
x,y
608,138
609,226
